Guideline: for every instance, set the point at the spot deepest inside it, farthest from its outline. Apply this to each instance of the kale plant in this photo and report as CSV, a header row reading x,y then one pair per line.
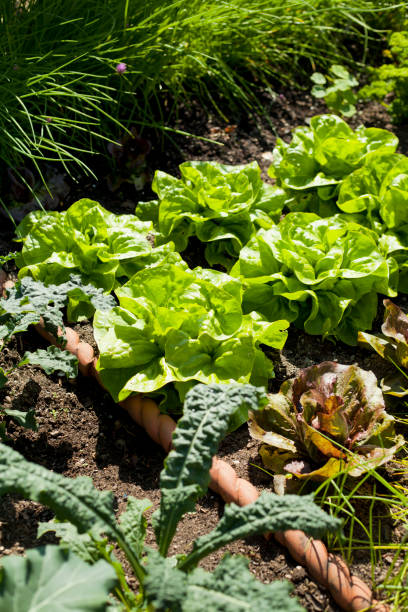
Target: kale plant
x,y
51,360
30,302
83,573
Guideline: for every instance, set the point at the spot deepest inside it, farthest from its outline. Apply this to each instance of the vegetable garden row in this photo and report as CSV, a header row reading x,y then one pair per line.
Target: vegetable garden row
x,y
313,250
204,323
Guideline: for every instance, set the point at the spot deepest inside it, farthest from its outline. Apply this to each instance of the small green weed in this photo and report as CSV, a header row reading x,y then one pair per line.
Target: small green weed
x,y
370,509
336,89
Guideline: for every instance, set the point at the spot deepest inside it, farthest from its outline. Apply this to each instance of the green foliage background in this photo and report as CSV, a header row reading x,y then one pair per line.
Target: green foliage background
x,y
61,96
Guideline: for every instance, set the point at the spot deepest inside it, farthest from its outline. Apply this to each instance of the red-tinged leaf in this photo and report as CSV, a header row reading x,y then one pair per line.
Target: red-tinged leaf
x,y
395,322
330,417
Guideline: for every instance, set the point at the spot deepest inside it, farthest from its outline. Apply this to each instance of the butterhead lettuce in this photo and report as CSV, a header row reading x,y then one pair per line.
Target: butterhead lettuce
x,y
181,326
87,240
311,168
221,205
322,274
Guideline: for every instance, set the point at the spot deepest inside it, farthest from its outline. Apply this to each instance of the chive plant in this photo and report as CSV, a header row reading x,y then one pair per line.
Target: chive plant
x,y
63,95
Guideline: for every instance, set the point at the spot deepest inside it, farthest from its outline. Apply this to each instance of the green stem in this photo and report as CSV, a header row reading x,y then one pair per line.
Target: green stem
x,y
137,567
195,557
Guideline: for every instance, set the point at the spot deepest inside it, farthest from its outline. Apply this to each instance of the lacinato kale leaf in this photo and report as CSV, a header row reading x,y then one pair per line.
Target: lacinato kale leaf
x,y
52,359
270,512
72,499
209,411
171,584
229,588
75,500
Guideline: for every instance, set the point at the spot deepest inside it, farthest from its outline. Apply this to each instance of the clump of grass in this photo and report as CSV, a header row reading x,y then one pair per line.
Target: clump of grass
x,y
369,508
61,95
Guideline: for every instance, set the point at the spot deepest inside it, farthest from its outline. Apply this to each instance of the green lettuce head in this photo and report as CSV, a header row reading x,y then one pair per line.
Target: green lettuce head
x,y
329,418
322,274
313,165
378,192
219,204
87,240
174,328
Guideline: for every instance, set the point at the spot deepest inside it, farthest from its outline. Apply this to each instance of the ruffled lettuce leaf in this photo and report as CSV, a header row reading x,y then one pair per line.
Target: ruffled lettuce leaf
x,y
322,274
319,157
87,240
327,166
378,192
181,326
324,153
329,418
220,204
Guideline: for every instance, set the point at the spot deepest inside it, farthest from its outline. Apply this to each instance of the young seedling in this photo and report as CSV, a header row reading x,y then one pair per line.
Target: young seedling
x,y
336,89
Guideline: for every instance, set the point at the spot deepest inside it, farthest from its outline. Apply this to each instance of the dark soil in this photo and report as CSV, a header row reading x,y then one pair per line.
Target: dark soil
x,y
82,432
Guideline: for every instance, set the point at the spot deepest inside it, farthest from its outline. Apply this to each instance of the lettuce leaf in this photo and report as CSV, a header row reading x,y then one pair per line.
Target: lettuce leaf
x,y
328,166
87,240
181,326
322,274
391,344
324,153
222,205
378,193
313,165
331,417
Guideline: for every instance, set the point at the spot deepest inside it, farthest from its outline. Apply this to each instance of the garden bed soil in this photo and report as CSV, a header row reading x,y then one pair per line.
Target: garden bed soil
x,y
82,432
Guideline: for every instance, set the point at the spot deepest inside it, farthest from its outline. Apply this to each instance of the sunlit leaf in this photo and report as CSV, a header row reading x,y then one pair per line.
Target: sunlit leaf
x,y
25,419
49,578
329,418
